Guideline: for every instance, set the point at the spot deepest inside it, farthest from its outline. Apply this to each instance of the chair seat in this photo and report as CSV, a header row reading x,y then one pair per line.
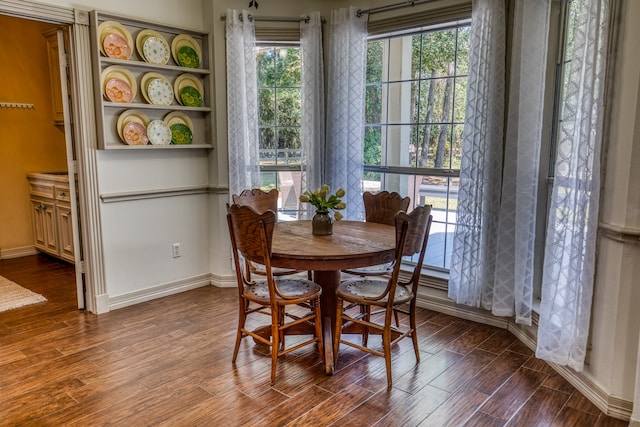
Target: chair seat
x,y
368,289
374,270
290,287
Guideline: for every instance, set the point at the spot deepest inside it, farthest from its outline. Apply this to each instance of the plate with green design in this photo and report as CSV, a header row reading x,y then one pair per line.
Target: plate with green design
x,y
190,97
188,90
181,134
188,57
186,51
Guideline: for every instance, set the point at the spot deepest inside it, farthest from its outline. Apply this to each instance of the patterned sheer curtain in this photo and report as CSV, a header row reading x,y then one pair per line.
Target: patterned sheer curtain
x,y
312,103
474,241
345,110
242,103
511,290
567,283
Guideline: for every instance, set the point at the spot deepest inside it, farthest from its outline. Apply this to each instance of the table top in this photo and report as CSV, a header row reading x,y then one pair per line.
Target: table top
x,y
353,244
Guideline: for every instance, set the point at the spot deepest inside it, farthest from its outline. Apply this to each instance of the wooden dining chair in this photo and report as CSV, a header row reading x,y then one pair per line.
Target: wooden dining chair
x,y
251,235
381,208
262,201
379,299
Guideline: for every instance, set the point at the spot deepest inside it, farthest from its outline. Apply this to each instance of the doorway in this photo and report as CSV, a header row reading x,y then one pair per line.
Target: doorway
x,y
35,135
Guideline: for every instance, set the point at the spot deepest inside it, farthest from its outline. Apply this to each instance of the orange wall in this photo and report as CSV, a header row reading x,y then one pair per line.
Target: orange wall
x,y
29,141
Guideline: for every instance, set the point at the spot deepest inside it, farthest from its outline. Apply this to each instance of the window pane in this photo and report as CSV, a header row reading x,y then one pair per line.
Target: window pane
x,y
288,67
289,108
266,107
279,112
415,106
265,62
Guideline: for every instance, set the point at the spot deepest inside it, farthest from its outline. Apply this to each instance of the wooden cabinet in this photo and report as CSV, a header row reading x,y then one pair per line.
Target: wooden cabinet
x,y
53,55
51,214
108,112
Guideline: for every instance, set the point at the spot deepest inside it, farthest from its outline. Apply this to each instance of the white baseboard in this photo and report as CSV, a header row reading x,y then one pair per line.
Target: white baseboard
x,y
219,281
613,406
18,252
159,291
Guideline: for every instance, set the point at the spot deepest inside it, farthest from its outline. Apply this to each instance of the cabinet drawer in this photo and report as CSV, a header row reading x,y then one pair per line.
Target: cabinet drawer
x,y
61,193
41,188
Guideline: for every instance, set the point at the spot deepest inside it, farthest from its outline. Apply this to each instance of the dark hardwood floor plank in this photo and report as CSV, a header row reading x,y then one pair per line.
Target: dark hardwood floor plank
x,y
540,409
463,370
506,401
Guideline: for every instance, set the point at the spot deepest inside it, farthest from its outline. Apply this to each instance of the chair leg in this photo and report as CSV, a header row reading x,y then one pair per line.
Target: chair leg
x,y
367,318
275,341
386,343
318,323
414,331
338,329
242,314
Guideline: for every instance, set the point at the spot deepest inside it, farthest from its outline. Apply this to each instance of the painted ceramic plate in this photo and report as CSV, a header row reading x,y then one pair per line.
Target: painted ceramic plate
x,y
159,133
135,133
160,97
130,116
159,92
188,57
190,97
186,51
181,134
193,96
114,47
118,90
117,79
178,117
153,47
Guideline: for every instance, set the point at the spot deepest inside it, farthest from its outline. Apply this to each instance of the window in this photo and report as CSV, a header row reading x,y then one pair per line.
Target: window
x,y
415,105
279,117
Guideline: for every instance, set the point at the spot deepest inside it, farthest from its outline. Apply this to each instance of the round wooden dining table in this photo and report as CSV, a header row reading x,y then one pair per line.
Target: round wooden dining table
x,y
353,244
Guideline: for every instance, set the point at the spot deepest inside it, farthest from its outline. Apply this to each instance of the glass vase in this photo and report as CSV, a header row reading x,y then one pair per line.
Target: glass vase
x,y
322,223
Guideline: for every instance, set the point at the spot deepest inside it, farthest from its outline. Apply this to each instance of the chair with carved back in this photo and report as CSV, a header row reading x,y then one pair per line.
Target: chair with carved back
x,y
381,208
261,201
288,301
380,299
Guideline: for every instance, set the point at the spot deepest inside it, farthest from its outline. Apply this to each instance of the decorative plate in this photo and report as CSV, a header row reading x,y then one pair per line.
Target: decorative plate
x,y
144,86
159,133
129,116
135,133
116,72
159,92
181,134
188,57
185,80
107,28
118,90
157,42
176,117
186,41
116,46
190,97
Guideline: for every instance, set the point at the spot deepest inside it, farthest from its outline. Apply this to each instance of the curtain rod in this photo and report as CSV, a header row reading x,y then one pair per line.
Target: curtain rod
x,y
223,17
394,6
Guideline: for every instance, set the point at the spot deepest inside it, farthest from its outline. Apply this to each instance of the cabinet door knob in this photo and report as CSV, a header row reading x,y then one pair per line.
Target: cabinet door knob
x,y
62,194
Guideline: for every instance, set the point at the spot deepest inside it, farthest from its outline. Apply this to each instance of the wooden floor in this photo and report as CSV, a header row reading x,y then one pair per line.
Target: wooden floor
x,y
168,362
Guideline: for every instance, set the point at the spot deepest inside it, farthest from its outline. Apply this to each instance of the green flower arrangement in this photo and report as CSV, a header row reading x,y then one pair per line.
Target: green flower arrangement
x,y
323,201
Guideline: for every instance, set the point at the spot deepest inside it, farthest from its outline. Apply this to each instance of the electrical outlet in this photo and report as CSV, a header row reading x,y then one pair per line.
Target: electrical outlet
x,y
175,250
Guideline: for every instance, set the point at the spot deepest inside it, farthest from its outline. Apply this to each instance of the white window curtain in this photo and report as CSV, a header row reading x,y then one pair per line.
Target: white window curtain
x,y
567,284
313,130
474,241
512,292
242,103
345,110
493,252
